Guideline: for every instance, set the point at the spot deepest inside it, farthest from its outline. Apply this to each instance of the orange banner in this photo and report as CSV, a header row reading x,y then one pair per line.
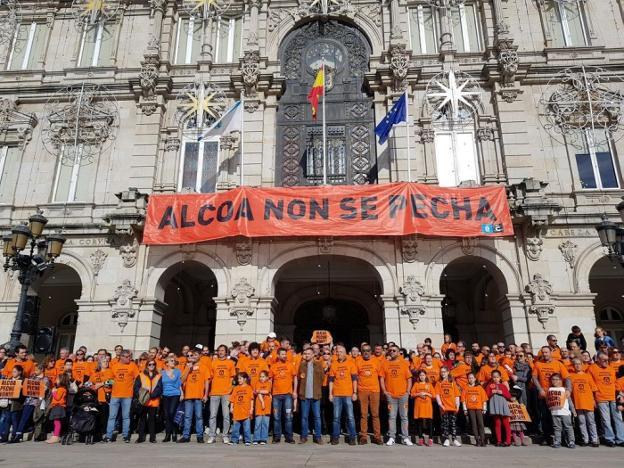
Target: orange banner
x,y
367,210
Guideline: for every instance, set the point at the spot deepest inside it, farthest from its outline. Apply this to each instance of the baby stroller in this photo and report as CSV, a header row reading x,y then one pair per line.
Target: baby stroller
x,y
84,417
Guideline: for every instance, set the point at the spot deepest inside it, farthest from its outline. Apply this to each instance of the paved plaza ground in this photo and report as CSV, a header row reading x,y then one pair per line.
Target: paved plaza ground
x,y
120,455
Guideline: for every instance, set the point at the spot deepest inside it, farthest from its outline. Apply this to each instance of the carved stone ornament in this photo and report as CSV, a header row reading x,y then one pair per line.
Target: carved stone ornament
x,y
409,248
485,134
148,76
509,95
158,4
242,307
97,259
413,307
568,250
399,65
541,305
14,122
508,66
128,255
172,144
325,245
250,69
533,248
427,135
244,252
468,245
122,303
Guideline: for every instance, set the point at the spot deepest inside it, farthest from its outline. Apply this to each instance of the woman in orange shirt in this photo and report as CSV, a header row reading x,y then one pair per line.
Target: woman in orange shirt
x,y
50,369
423,394
474,400
103,382
241,407
447,396
148,389
58,402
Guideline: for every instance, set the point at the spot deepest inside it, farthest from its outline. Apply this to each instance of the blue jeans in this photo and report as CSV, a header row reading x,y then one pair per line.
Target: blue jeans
x,y
340,403
27,413
193,407
126,405
285,403
9,419
608,411
261,429
236,429
315,405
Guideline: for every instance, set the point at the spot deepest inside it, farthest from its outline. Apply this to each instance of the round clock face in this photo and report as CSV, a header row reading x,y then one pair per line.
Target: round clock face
x,y
324,52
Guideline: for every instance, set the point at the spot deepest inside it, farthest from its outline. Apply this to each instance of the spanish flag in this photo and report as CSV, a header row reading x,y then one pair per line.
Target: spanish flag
x,y
318,89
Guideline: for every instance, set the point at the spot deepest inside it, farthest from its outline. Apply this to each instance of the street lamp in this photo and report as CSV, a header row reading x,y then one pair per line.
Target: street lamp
x,y
31,264
612,236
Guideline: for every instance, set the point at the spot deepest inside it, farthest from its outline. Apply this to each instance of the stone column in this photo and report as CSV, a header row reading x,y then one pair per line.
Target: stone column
x,y
265,317
252,38
392,319
446,35
148,324
395,22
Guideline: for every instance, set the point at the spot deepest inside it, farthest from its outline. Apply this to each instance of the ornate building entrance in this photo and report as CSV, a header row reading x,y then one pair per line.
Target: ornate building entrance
x,y
351,155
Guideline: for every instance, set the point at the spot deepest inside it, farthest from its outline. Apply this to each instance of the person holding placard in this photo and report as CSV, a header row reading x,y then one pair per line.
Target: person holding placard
x,y
33,399
13,411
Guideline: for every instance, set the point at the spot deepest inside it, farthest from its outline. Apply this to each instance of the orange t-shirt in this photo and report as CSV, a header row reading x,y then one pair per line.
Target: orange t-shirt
x,y
253,367
241,399
368,374
124,376
433,372
101,377
283,374
50,374
223,371
555,353
415,362
474,397
619,384
448,392
423,405
485,374
460,374
259,386
605,381
342,374
81,370
544,370
27,365
195,384
59,366
583,388
616,365
446,346
396,374
59,397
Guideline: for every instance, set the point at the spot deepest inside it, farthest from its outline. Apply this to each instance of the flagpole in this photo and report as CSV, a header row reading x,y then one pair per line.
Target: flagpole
x,y
324,132
408,128
242,138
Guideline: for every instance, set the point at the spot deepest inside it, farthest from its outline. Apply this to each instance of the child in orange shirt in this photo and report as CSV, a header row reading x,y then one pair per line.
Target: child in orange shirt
x,y
423,393
241,407
447,396
474,400
58,404
262,390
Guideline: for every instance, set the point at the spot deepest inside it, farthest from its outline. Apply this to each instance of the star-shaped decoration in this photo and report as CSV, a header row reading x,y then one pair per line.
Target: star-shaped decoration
x,y
203,103
94,11
205,8
452,94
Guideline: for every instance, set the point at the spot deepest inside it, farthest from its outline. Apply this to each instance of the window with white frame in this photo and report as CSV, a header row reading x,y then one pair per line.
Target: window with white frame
x,y
199,164
596,165
567,23
229,40
189,35
9,168
96,44
456,157
424,28
73,181
27,45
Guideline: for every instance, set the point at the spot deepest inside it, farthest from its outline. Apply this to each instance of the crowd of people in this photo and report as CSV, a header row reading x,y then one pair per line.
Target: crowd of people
x,y
562,396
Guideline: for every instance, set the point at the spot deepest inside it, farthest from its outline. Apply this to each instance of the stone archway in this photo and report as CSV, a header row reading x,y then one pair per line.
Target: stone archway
x,y
329,292
605,281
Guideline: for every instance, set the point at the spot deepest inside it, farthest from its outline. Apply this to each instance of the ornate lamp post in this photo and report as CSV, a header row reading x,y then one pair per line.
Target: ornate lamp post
x,y
612,237
31,264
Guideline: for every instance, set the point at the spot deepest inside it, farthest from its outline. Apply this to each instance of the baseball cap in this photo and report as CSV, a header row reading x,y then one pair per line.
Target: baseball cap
x,y
199,346
272,335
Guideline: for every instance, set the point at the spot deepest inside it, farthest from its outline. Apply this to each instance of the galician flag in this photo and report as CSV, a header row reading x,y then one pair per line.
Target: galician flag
x,y
230,121
318,90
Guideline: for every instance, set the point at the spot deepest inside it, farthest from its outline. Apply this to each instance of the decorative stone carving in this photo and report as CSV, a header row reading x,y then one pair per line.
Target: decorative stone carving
x,y
244,252
409,248
242,307
277,16
541,305
122,303
509,95
399,65
485,134
533,248
14,124
172,144
531,202
508,66
568,250
128,255
325,245
468,245
97,259
413,307
427,135
250,69
158,5
371,11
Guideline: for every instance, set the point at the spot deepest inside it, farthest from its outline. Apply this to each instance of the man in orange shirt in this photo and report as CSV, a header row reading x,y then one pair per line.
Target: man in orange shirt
x,y
196,382
223,372
342,393
284,376
396,382
485,373
368,370
125,372
253,364
21,359
604,376
583,388
59,365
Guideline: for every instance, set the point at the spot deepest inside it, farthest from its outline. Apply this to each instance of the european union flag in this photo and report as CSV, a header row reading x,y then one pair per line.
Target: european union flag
x,y
397,114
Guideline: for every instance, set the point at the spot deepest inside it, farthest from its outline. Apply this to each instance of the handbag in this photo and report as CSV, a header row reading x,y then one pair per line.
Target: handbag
x,y
178,419
144,396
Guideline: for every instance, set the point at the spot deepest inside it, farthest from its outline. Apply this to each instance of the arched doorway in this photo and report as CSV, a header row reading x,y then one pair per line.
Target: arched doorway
x,y
475,306
190,313
56,295
605,280
351,156
329,292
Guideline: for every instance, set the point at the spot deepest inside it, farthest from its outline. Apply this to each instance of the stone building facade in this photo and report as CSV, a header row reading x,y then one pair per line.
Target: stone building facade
x,y
101,108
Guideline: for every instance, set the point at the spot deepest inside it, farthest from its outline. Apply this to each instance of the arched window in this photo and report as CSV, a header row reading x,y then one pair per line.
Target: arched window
x,y
610,314
66,334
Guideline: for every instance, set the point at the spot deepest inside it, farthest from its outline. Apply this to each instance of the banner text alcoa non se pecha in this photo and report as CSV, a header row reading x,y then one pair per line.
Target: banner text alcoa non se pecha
x,y
371,210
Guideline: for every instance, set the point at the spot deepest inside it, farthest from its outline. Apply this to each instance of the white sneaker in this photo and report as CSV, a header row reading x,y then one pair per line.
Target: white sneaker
x,y
226,440
390,441
456,443
407,441
211,440
447,443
